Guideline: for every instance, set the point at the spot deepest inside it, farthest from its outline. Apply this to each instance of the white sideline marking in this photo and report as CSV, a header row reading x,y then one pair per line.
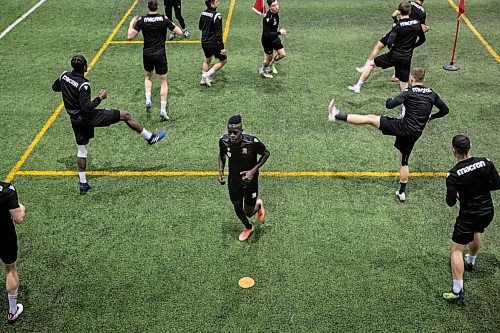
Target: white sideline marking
x,y
19,20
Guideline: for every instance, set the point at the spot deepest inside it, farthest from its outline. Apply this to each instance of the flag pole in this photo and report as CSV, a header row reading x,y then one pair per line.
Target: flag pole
x,y
452,66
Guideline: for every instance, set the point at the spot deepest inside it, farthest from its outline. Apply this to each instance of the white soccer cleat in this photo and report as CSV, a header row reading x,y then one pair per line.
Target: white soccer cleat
x,y
163,116
208,81
354,88
171,36
203,81
12,317
360,69
186,33
401,196
332,111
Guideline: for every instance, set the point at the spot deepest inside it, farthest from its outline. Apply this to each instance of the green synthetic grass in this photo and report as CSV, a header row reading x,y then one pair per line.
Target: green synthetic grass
x,y
160,254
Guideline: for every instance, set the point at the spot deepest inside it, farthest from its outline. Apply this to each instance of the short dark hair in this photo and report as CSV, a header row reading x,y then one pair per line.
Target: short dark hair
x,y
418,73
234,120
79,63
404,8
461,143
270,2
153,5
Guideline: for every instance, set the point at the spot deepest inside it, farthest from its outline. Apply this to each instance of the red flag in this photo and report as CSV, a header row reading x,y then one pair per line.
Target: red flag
x,y
461,8
260,7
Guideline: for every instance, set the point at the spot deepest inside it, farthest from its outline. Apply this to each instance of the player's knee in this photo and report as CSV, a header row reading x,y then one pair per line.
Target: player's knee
x,y
125,115
82,151
149,75
223,62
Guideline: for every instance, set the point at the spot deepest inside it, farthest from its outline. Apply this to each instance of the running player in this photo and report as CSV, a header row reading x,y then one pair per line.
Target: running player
x,y
211,41
401,41
177,7
418,101
271,41
154,28
85,117
471,181
11,210
243,181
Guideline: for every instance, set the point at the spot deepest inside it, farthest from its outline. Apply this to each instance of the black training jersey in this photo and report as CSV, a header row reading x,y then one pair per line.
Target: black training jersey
x,y
8,201
417,12
243,155
403,37
418,101
270,24
211,29
75,92
472,181
154,28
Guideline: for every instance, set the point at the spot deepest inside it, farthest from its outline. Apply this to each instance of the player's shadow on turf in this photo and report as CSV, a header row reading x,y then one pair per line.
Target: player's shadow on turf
x,y
229,231
70,164
485,267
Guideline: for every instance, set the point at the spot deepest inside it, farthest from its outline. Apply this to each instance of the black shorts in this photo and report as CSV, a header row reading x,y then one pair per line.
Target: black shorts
x,y
8,246
83,125
239,190
404,142
402,66
172,2
156,62
213,52
270,45
465,227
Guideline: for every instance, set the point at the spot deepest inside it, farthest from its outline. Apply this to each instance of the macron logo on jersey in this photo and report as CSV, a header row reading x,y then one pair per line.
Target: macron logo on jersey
x,y
207,14
470,168
153,19
416,5
412,22
421,90
70,81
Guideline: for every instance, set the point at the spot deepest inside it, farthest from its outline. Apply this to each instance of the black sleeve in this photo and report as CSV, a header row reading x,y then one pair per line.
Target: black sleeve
x,y
393,102
84,98
260,148
56,86
8,196
421,38
200,23
392,35
451,191
138,24
443,108
495,178
222,148
218,28
170,24
424,17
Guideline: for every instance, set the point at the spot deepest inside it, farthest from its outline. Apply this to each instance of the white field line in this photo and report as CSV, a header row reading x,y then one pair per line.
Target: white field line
x,y
19,20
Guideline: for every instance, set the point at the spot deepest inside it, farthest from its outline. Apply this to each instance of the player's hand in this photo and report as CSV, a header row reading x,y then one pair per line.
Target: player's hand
x,y
283,32
103,94
426,28
221,179
223,52
247,176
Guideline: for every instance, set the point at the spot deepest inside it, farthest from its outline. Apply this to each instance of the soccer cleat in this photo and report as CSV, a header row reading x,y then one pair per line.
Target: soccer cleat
x,y
354,88
203,81
268,70
401,196
12,317
163,116
266,75
332,111
84,188
274,70
157,137
468,266
360,69
186,33
261,213
394,79
148,109
455,298
245,233
171,36
208,81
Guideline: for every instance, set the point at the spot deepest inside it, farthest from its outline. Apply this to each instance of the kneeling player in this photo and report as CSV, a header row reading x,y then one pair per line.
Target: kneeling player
x,y
418,101
243,181
471,181
271,41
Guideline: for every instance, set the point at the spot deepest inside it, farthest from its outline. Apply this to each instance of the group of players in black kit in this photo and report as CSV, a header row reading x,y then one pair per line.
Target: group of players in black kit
x,y
470,181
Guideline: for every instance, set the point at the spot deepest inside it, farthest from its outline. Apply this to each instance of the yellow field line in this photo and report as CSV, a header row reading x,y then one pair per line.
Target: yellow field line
x,y
228,21
478,35
224,35
167,42
52,118
215,173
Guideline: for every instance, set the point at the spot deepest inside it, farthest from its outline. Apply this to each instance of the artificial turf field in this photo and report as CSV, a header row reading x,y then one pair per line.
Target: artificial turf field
x,y
146,252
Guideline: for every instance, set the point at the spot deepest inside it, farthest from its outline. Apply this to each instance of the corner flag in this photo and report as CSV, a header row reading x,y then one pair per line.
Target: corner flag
x,y
259,7
452,66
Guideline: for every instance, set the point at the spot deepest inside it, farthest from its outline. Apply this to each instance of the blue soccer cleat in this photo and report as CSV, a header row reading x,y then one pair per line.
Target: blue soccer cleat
x,y
157,137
